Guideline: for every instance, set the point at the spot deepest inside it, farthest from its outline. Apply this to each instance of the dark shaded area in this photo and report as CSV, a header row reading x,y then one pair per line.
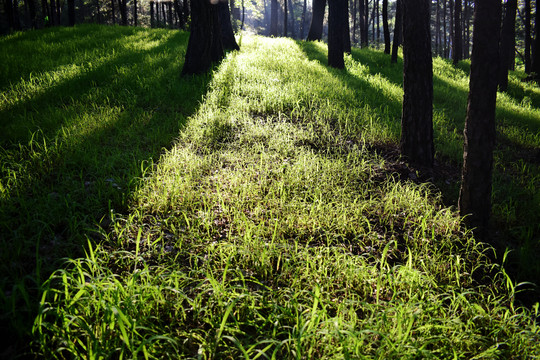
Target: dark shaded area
x,y
48,218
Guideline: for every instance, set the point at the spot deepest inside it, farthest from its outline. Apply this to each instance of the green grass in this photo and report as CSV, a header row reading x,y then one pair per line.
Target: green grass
x,y
258,212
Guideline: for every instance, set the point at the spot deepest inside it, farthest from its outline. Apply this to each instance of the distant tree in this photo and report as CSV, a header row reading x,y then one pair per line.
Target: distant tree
x,y
386,29
337,16
398,27
113,17
135,15
302,25
204,45
416,122
122,5
285,18
475,193
71,12
227,34
437,28
316,28
274,18
457,53
527,10
508,34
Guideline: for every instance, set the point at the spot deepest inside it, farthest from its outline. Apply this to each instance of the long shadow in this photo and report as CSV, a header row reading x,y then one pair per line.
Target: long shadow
x,y
142,105
512,192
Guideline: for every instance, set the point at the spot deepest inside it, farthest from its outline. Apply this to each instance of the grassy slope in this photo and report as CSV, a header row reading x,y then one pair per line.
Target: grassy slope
x,y
279,224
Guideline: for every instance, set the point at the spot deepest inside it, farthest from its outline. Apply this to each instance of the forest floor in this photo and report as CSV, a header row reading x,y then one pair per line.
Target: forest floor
x,y
257,211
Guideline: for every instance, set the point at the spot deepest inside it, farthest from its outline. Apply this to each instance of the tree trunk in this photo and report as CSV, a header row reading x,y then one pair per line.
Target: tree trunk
x,y
112,12
437,29
458,43
45,13
274,18
316,28
204,45
337,10
475,193
293,27
398,27
535,65
361,22
32,12
303,24
451,35
135,16
227,35
285,18
378,22
445,43
346,30
386,29
416,122
186,11
353,2
527,36
508,34
71,12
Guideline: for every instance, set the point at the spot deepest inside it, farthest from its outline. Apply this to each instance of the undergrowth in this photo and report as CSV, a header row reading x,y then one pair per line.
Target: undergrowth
x,y
280,223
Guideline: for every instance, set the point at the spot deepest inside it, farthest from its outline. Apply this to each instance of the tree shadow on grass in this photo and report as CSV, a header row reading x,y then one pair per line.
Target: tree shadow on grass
x,y
516,205
102,128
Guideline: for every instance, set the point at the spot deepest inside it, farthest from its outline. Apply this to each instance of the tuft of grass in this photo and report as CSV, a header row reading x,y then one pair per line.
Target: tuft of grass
x,y
279,222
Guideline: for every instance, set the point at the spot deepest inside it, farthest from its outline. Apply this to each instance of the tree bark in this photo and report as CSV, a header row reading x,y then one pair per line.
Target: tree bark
x,y
386,29
285,18
398,27
135,15
437,29
346,29
204,45
112,12
535,64
274,18
508,34
71,12
337,10
458,37
227,35
302,26
527,36
316,28
445,43
475,193
416,122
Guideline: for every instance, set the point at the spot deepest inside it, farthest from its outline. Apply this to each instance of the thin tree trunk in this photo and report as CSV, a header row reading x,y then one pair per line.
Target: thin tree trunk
x,y
316,28
112,12
378,23
458,44
527,36
508,34
293,27
274,18
354,20
535,64
32,12
386,29
71,12
285,18
152,19
397,30
416,122
303,24
437,29
475,193
135,17
451,37
445,43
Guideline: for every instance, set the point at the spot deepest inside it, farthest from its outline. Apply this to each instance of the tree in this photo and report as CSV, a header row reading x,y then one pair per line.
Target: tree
x,y
274,18
457,52
316,27
398,27
508,34
204,45
386,29
71,12
227,34
416,122
535,65
337,16
475,193
527,19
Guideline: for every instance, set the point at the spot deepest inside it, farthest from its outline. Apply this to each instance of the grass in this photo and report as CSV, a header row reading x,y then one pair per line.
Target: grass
x,y
259,211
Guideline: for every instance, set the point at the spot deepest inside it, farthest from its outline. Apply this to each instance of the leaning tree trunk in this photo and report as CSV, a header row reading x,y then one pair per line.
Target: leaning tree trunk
x,y
316,28
227,34
386,29
337,16
475,193
508,34
416,122
204,45
458,37
398,27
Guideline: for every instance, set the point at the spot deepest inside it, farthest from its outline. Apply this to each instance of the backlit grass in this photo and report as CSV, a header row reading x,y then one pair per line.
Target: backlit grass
x,y
278,221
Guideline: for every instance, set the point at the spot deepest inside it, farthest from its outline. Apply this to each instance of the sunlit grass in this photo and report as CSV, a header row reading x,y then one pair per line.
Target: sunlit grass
x,y
277,222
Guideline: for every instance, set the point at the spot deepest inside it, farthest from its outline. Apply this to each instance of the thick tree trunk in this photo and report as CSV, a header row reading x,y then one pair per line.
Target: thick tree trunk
x,y
71,12
15,15
316,28
386,29
346,30
527,36
416,122
32,12
458,37
362,22
337,10
508,34
227,35
475,193
398,27
303,24
204,45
